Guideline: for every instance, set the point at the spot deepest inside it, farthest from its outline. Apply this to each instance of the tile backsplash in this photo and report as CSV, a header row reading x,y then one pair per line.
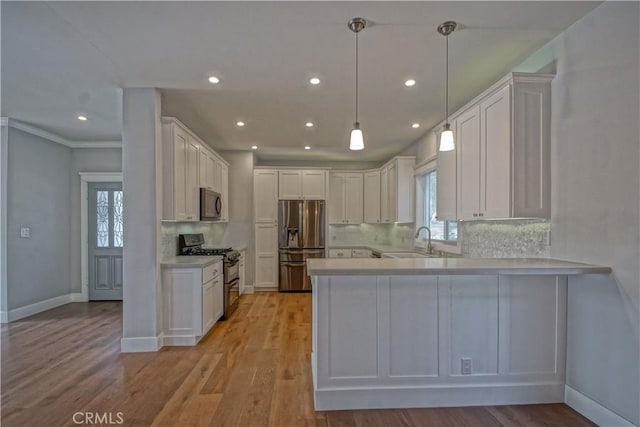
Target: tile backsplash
x,y
233,234
400,235
514,238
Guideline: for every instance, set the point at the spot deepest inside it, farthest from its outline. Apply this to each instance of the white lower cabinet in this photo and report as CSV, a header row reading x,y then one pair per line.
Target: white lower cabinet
x,y
242,281
193,301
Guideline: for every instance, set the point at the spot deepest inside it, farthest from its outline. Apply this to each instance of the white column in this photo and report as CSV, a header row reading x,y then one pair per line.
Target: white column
x,y
141,173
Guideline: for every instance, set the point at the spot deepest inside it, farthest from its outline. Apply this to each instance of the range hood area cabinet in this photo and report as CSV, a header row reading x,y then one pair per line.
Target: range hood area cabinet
x,y
188,165
501,165
302,184
346,193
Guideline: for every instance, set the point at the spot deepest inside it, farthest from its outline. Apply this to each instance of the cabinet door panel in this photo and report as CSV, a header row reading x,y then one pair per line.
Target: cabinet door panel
x,y
353,185
180,174
313,185
192,190
336,198
392,191
208,309
384,195
289,185
224,191
468,147
495,114
265,191
266,255
372,197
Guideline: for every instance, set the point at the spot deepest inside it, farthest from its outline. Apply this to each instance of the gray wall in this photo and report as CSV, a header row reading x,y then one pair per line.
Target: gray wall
x,y
38,195
595,200
86,160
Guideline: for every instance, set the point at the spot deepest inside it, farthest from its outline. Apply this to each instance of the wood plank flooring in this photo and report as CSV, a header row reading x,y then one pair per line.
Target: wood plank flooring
x,y
252,370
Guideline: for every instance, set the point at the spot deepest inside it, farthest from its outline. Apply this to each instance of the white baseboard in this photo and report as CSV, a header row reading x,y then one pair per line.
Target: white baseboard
x,y
38,307
141,344
592,410
270,289
181,340
248,290
78,297
436,396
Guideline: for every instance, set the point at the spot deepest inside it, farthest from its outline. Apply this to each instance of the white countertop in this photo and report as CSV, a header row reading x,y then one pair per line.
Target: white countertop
x,y
447,266
189,261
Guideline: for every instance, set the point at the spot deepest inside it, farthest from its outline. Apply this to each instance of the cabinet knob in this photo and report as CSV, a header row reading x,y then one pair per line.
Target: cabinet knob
x,y
475,215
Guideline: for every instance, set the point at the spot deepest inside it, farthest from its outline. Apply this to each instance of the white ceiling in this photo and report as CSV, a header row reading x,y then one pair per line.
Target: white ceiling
x,y
60,59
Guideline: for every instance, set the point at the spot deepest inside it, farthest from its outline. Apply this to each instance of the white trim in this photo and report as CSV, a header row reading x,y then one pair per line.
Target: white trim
x,y
425,165
141,344
593,410
248,290
39,307
4,121
85,179
4,317
436,396
56,138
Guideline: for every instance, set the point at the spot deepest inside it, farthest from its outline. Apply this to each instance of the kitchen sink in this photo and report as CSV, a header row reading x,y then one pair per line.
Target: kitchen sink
x,y
406,255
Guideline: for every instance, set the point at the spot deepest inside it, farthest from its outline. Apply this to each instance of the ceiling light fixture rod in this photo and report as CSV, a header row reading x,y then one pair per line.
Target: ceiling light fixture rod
x,y
356,141
446,139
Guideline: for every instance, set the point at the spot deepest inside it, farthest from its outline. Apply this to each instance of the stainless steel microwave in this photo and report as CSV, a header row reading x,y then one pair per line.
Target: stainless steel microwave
x,y
210,205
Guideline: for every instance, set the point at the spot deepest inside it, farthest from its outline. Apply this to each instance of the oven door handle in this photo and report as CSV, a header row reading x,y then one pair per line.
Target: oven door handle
x,y
232,283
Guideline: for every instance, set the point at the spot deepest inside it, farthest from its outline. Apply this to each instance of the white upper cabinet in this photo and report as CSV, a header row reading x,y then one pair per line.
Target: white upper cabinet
x,y
345,198
397,190
265,192
180,178
188,165
372,197
502,149
302,184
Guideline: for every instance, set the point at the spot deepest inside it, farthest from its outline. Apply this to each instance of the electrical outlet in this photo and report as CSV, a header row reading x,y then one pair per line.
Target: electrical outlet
x,y
466,367
25,232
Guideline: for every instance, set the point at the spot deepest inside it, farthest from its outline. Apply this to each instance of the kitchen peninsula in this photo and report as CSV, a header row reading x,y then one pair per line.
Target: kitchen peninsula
x,y
399,333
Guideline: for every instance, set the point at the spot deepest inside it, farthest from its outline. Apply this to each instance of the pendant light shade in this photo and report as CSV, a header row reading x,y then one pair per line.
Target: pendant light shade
x,y
356,142
447,142
446,139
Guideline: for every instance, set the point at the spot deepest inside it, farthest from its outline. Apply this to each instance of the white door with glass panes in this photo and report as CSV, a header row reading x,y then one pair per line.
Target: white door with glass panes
x,y
106,240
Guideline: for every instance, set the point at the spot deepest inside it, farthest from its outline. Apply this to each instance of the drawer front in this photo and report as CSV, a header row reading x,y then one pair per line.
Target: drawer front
x,y
339,253
211,271
361,253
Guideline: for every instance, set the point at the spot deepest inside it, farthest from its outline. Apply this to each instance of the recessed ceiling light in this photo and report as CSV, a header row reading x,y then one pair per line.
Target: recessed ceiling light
x,y
410,83
306,147
214,80
240,124
314,81
254,147
309,124
82,118
415,125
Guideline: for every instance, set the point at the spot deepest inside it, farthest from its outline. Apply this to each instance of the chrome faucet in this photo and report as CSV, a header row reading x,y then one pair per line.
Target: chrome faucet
x,y
429,246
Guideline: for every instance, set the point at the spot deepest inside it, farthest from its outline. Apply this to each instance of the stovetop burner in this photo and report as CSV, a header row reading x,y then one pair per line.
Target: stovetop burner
x,y
207,251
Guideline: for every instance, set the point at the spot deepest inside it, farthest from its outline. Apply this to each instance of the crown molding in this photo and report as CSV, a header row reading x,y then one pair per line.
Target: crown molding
x,y
4,121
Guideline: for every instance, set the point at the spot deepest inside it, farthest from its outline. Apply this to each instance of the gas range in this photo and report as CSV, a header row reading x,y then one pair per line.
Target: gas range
x,y
191,244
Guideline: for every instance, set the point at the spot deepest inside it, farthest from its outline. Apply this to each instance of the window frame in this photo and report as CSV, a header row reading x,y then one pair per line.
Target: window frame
x,y
421,242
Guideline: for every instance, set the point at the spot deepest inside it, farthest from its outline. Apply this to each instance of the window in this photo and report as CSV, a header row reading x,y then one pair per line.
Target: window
x,y
440,230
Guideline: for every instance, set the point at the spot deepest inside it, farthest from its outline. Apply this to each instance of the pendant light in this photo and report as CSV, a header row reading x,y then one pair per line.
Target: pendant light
x,y
446,138
356,141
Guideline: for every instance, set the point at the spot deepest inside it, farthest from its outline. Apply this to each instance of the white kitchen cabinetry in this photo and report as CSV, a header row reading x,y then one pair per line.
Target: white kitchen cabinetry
x,y
180,173
397,190
188,165
360,253
193,301
345,198
340,253
503,152
372,197
302,184
265,200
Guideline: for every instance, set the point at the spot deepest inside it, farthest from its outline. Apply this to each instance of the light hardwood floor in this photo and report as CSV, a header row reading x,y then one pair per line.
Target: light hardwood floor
x,y
252,370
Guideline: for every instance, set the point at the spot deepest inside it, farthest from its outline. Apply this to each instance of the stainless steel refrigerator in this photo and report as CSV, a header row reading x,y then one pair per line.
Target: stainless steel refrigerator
x,y
300,236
